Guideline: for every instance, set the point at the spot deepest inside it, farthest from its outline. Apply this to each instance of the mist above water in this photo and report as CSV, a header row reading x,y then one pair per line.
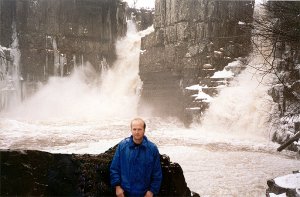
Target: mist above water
x,y
244,107
89,112
88,95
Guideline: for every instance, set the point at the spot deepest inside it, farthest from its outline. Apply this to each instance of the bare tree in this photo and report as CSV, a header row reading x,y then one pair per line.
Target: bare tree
x,y
278,29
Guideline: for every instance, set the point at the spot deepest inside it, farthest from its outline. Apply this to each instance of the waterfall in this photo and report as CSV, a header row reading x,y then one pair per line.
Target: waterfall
x,y
89,112
4,63
87,94
56,58
60,59
244,107
11,80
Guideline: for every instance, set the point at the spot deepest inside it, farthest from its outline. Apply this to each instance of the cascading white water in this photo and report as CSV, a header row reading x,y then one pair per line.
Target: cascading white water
x,y
81,96
3,78
11,92
242,108
15,71
88,113
56,57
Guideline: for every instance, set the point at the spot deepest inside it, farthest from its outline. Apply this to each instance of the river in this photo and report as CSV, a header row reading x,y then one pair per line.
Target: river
x,y
229,154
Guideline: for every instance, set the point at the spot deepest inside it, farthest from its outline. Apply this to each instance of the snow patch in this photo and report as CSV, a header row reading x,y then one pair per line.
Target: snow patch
x,y
291,181
279,195
222,74
203,96
194,87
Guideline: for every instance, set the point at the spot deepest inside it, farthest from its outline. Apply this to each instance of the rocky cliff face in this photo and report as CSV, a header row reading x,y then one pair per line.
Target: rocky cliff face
x,y
41,38
286,67
55,36
192,40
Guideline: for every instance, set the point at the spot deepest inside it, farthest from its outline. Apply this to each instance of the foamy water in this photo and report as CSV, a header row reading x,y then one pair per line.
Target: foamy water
x,y
229,154
214,164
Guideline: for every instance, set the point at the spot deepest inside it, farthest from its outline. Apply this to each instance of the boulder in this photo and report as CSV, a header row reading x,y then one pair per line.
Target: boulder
x,y
37,173
287,185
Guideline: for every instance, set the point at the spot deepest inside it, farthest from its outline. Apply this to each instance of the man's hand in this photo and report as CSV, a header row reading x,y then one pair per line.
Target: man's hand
x,y
119,191
149,194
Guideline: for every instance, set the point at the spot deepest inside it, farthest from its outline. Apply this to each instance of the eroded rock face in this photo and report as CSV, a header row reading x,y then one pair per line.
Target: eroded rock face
x,y
55,36
188,35
36,173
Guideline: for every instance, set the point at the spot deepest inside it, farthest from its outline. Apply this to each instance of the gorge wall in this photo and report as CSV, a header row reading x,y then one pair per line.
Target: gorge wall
x,y
286,68
75,30
192,40
50,38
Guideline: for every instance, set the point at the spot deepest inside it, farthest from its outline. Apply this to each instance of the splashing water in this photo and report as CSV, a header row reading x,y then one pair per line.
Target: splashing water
x,y
243,107
88,113
84,95
10,80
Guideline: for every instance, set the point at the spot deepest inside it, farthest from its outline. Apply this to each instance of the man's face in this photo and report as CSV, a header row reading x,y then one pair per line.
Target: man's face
x,y
137,130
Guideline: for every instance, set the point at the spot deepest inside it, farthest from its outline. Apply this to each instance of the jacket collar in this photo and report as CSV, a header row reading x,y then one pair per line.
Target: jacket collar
x,y
143,144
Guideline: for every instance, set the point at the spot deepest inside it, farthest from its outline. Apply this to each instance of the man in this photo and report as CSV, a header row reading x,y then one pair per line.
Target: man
x,y
135,169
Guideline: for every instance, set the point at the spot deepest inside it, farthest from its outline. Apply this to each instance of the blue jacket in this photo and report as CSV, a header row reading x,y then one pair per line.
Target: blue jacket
x,y
136,169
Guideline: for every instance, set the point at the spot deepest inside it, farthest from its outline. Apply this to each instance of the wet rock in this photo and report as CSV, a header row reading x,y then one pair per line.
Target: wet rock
x,y
37,173
61,33
186,35
287,185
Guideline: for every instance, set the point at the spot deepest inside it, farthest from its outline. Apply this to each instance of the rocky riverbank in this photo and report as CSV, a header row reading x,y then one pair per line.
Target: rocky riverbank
x,y
37,173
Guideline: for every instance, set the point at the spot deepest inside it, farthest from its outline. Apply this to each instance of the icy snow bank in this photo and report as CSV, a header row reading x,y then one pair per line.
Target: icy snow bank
x,y
291,181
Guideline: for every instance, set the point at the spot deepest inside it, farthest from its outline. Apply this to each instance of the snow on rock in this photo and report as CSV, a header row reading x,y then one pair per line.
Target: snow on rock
x,y
207,66
200,95
203,97
194,87
223,74
2,48
291,119
194,108
287,185
291,181
279,195
218,54
142,51
236,66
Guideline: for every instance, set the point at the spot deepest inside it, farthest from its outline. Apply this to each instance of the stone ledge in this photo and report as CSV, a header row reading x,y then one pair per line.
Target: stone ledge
x,y
37,173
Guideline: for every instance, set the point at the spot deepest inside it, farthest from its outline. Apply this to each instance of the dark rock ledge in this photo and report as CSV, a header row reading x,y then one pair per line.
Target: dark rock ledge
x,y
37,173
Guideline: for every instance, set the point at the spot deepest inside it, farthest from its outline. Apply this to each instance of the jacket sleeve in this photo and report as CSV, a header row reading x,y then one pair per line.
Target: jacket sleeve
x,y
156,176
115,175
